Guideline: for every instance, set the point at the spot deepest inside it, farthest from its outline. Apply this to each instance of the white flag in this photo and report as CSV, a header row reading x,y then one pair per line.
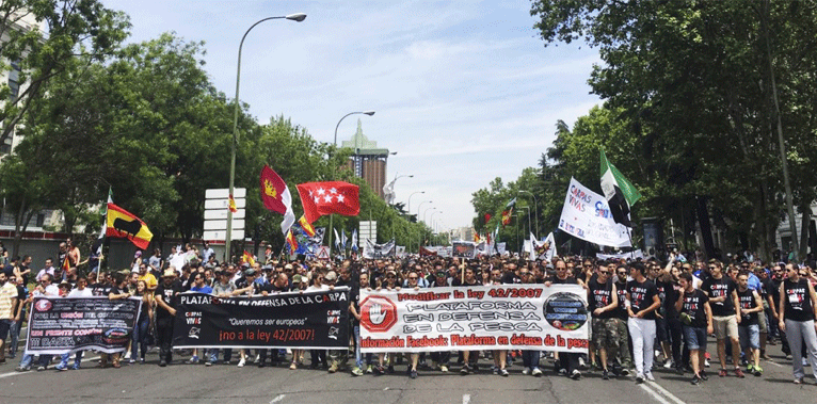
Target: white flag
x,y
388,192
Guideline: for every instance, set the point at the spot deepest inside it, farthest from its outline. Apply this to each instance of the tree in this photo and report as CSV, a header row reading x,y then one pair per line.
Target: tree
x,y
76,30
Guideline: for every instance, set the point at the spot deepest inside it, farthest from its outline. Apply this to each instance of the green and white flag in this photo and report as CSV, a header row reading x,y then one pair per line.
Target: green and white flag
x,y
620,193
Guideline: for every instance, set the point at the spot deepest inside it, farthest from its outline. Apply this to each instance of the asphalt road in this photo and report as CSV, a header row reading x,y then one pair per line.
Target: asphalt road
x,y
185,383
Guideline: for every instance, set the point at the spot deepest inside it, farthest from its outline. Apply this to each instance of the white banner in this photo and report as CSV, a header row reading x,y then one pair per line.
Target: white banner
x,y
520,316
587,216
630,255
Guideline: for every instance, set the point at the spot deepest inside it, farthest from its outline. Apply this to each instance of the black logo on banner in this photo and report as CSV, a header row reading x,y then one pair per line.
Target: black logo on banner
x,y
565,311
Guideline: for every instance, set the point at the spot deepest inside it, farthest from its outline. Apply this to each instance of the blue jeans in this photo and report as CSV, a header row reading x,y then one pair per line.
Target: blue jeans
x,y
28,358
64,361
140,334
695,338
358,356
530,359
15,337
749,336
213,355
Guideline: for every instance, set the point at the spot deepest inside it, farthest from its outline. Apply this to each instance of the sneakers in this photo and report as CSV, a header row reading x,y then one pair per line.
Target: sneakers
x,y
739,373
242,362
639,378
536,372
625,372
704,376
333,368
380,370
369,369
464,371
22,369
356,372
413,374
194,359
696,380
127,355
750,367
668,364
758,371
504,372
162,363
706,362
582,363
444,369
649,376
605,375
208,363
576,375
40,368
798,381
526,371
294,365
722,373
495,370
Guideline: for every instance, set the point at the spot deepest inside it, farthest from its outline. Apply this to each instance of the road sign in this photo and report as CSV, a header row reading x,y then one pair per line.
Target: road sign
x,y
217,209
323,253
368,230
224,193
240,203
238,224
213,235
221,214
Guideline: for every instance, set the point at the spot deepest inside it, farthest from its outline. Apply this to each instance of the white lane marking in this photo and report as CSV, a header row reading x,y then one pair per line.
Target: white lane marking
x,y
776,364
277,398
666,393
466,398
654,394
5,375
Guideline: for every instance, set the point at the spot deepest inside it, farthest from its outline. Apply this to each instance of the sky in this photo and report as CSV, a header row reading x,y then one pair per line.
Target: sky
x,y
464,91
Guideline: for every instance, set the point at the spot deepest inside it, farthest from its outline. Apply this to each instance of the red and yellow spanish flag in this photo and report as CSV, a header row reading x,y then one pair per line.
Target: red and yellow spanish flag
x,y
292,243
66,264
123,224
308,229
232,204
247,257
506,216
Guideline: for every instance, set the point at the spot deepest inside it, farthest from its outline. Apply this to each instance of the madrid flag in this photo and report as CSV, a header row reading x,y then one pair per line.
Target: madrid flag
x,y
276,197
123,224
324,198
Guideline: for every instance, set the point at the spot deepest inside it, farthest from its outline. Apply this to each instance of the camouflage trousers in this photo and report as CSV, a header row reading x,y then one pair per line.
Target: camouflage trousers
x,y
606,335
623,336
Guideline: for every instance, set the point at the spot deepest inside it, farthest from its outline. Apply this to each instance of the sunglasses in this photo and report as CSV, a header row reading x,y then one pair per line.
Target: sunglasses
x,y
604,273
712,267
622,274
412,277
390,276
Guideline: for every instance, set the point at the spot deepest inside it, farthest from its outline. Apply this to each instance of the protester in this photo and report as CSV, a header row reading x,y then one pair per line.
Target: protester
x,y
797,313
643,299
696,317
166,294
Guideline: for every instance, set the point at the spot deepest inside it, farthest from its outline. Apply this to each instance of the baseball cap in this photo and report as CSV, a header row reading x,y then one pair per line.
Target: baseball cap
x,y
331,276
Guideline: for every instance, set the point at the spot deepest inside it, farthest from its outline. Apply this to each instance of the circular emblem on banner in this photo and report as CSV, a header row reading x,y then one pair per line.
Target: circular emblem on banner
x,y
115,336
377,314
42,305
565,311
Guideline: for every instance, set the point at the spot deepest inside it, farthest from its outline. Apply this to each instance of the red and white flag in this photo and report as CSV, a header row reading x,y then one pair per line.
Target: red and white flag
x,y
276,197
324,198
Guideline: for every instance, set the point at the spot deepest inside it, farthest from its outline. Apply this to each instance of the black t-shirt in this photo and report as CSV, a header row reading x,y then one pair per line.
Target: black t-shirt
x,y
100,289
566,281
458,283
717,288
601,295
765,284
798,300
774,291
641,296
693,307
21,300
621,311
168,295
510,278
668,293
275,289
747,302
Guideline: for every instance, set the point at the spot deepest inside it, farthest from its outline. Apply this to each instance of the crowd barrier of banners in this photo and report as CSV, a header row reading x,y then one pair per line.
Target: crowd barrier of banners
x,y
519,316
309,320
59,325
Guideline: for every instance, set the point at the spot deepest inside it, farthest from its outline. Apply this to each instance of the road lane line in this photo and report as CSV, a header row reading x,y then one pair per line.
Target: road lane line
x,y
277,398
776,364
666,393
654,394
466,398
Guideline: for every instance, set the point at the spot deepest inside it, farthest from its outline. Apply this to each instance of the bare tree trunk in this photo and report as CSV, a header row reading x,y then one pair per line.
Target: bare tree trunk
x,y
804,226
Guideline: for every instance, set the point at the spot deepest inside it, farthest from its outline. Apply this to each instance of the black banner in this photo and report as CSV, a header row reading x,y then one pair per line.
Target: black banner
x,y
310,320
59,325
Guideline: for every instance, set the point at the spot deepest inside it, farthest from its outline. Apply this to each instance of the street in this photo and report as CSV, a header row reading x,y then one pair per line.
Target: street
x,y
184,383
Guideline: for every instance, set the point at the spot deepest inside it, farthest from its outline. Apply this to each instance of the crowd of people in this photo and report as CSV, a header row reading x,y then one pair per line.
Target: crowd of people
x,y
646,314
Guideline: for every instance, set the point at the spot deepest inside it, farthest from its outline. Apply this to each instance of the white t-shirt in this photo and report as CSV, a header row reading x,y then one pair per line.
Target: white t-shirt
x,y
81,293
317,288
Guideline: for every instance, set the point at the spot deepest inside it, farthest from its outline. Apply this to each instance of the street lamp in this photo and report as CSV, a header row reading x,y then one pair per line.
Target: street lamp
x,y
408,207
331,216
298,17
430,208
418,220
434,224
535,206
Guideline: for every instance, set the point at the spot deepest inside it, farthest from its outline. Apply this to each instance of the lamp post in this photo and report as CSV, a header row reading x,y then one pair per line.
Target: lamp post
x,y
535,206
418,221
332,216
293,17
434,224
408,206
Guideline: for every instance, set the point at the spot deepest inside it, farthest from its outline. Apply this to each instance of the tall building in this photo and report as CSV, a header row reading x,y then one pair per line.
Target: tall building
x,y
368,161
